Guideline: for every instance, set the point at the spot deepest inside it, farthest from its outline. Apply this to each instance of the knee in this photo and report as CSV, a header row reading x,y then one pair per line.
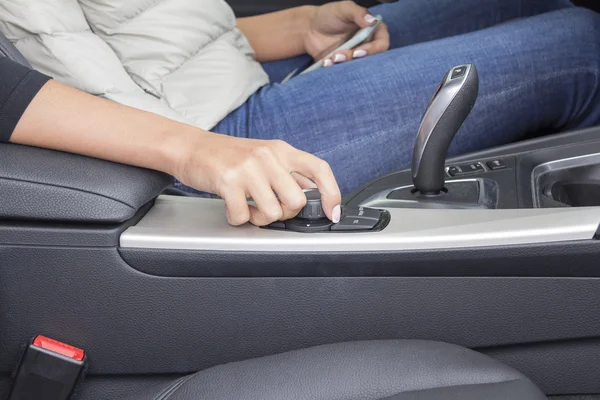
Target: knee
x,y
580,22
577,36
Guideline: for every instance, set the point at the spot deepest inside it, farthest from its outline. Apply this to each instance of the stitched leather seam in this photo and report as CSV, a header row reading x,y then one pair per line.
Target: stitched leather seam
x,y
449,386
171,390
68,188
165,390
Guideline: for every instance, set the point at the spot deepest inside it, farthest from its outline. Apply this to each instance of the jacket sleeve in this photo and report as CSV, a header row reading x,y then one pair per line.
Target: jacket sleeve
x,y
18,86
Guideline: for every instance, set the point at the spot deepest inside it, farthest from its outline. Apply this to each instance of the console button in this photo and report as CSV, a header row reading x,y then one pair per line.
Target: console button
x,y
458,72
466,169
300,225
472,168
277,225
496,165
454,171
362,212
352,223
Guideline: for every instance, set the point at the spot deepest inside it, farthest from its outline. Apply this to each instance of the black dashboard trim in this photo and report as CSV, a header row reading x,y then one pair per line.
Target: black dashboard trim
x,y
564,259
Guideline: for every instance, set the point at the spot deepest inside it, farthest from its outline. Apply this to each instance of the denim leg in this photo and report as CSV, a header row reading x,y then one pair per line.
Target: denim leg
x,y
539,73
418,21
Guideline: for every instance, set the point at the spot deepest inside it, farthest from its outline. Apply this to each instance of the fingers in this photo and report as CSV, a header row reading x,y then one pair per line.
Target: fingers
x,y
236,206
303,181
320,172
274,179
268,209
338,58
378,44
291,196
273,174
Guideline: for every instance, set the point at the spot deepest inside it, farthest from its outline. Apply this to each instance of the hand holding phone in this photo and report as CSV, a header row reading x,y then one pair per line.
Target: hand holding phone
x,y
359,38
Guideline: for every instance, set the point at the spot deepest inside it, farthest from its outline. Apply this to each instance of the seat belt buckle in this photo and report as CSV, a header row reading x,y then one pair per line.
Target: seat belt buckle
x,y
49,370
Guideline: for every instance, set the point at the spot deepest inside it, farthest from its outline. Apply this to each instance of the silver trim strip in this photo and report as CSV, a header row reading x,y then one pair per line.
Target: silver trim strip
x,y
558,165
487,197
186,223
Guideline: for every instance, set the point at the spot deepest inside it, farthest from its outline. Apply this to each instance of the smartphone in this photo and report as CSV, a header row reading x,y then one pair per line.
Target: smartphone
x,y
359,38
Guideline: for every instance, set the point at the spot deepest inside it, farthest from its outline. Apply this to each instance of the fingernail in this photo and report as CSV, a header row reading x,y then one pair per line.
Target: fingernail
x,y
339,58
336,215
359,53
327,63
370,19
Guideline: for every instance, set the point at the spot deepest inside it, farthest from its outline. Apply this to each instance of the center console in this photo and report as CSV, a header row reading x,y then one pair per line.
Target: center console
x,y
541,191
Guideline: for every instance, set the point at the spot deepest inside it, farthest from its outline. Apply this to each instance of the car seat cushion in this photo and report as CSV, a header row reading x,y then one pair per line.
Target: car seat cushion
x,y
370,370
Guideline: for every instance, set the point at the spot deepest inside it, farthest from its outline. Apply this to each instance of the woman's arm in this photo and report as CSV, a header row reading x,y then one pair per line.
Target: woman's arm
x,y
66,119
278,35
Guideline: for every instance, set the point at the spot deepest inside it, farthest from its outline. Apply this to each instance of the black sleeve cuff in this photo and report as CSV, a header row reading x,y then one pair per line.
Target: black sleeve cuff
x,y
18,86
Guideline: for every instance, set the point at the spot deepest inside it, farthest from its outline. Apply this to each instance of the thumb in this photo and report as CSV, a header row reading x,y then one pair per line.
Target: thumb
x,y
352,12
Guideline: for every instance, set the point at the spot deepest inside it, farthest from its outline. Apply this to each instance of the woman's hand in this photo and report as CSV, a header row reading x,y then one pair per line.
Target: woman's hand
x,y
271,172
335,23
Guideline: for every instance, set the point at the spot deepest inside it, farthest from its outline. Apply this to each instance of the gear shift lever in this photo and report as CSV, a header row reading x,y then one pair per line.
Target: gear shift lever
x,y
448,109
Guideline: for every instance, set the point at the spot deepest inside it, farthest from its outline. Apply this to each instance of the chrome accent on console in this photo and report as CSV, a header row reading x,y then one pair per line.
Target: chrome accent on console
x,y
557,165
488,197
187,223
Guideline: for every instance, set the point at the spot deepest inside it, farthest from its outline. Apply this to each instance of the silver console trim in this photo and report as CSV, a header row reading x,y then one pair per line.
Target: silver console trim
x,y
380,199
187,223
557,165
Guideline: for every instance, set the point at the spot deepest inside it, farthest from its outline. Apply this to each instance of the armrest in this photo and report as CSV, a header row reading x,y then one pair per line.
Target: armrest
x,y
46,185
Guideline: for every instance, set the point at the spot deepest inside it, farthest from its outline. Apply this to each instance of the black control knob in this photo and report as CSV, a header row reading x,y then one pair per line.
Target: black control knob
x,y
313,209
448,109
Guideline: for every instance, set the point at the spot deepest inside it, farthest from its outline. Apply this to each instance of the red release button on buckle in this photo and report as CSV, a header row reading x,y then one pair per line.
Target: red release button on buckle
x,y
59,347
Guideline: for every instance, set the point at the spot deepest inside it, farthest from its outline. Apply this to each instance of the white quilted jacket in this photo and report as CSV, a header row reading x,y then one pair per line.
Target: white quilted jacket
x,y
183,59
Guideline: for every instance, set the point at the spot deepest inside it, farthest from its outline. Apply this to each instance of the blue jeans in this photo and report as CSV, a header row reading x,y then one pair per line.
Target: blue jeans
x,y
539,69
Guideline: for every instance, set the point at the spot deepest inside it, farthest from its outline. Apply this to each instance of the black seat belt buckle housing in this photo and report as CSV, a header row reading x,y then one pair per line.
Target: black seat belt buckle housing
x,y
49,370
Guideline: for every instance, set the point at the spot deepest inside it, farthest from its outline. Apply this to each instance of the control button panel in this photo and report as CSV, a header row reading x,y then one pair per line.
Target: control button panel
x,y
354,223
362,212
495,165
466,169
456,171
359,219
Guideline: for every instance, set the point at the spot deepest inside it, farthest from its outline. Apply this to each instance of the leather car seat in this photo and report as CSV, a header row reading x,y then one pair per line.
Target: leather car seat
x,y
373,370
370,370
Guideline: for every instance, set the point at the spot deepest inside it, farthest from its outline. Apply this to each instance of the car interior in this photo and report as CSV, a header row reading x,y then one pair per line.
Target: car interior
x,y
473,277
